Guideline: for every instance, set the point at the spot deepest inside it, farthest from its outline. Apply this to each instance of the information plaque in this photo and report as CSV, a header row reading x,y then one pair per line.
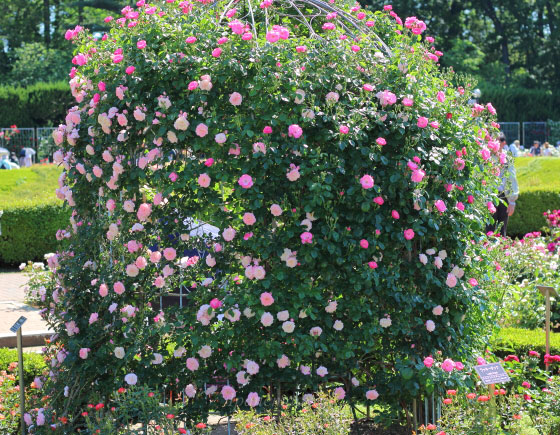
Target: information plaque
x,y
492,374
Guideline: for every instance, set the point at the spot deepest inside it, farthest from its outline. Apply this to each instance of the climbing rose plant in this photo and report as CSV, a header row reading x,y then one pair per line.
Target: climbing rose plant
x,y
311,188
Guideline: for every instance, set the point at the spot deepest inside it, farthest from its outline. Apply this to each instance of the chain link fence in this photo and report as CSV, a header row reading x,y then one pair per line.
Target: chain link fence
x,y
533,131
512,130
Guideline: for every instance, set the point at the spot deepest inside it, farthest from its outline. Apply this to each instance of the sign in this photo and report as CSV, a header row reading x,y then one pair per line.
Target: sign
x,y
18,324
492,374
550,290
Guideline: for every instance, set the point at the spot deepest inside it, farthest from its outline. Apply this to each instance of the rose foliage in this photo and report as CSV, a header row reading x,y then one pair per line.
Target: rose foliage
x,y
343,178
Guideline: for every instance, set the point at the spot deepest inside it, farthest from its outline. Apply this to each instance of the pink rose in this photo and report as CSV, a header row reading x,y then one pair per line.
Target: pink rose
x,y
84,352
386,98
366,181
103,291
144,211
372,394
381,141
276,210
204,180
253,400
245,181
344,129
266,299
451,280
129,69
440,205
118,287
408,102
235,99
409,234
249,219
295,131
201,130
141,44
379,200
306,237
169,254
417,175
228,392
422,122
428,361
192,364
364,243
216,303
448,365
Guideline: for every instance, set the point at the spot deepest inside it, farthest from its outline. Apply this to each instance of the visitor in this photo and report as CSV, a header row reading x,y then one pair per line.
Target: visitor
x,y
508,193
546,152
535,149
514,148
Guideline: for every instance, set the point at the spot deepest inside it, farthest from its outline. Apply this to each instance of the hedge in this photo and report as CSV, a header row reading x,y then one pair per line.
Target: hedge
x,y
514,341
528,216
516,104
33,363
28,230
39,105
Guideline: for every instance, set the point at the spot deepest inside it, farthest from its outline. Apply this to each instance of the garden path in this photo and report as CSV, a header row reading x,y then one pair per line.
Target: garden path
x,y
12,306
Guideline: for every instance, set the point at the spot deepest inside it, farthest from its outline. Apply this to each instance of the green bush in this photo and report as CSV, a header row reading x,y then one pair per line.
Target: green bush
x,y
39,105
33,363
28,230
519,342
528,216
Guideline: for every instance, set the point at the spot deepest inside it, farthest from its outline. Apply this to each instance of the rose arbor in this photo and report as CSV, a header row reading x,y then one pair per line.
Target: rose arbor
x,y
343,171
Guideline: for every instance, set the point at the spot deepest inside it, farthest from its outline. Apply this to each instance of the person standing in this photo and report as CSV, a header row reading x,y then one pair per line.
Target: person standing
x,y
508,192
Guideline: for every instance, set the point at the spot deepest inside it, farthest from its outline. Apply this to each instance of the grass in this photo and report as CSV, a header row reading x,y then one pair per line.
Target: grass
x,y
29,184
536,173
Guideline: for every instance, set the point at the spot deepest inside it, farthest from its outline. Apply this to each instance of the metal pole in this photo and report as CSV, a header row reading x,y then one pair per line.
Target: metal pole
x,y
547,298
21,386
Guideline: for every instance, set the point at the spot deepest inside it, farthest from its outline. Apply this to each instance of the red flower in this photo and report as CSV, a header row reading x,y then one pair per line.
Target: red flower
x,y
99,406
170,416
181,430
483,399
431,426
200,426
84,414
121,390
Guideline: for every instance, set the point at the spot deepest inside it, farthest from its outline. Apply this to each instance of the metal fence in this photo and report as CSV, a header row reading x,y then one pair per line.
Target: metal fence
x,y
512,130
533,131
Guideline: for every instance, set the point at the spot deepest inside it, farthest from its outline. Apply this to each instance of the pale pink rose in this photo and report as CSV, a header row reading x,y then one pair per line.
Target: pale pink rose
x,y
339,393
110,204
282,316
228,392
451,280
132,270
103,290
288,327
192,364
235,99
266,299
220,138
305,370
141,262
190,391
438,262
118,287
93,318
169,254
249,219
316,331
201,130
181,123
210,261
252,367
276,210
423,258
253,400
283,362
372,394
331,307
385,322
144,211
84,352
228,234
128,206
367,181
245,181
155,256
97,171
139,115
441,96
338,325
491,207
437,310
159,282
267,319
430,325
293,173
322,371
204,180
407,102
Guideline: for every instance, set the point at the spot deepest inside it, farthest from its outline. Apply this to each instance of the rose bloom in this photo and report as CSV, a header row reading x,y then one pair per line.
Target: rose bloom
x,y
372,394
266,299
367,181
235,99
204,180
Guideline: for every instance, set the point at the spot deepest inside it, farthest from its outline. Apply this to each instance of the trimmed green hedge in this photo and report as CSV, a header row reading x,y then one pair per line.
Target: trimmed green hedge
x,y
528,216
28,230
39,105
513,341
517,104
33,363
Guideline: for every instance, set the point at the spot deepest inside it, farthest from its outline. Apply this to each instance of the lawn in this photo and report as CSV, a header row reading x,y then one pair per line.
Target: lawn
x,y
535,173
36,182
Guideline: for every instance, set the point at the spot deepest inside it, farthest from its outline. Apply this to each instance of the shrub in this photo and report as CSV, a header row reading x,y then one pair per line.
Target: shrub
x,y
531,205
38,105
520,341
33,364
345,180
29,229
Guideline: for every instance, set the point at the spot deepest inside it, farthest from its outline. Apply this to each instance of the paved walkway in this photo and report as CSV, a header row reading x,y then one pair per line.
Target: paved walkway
x,y
12,294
